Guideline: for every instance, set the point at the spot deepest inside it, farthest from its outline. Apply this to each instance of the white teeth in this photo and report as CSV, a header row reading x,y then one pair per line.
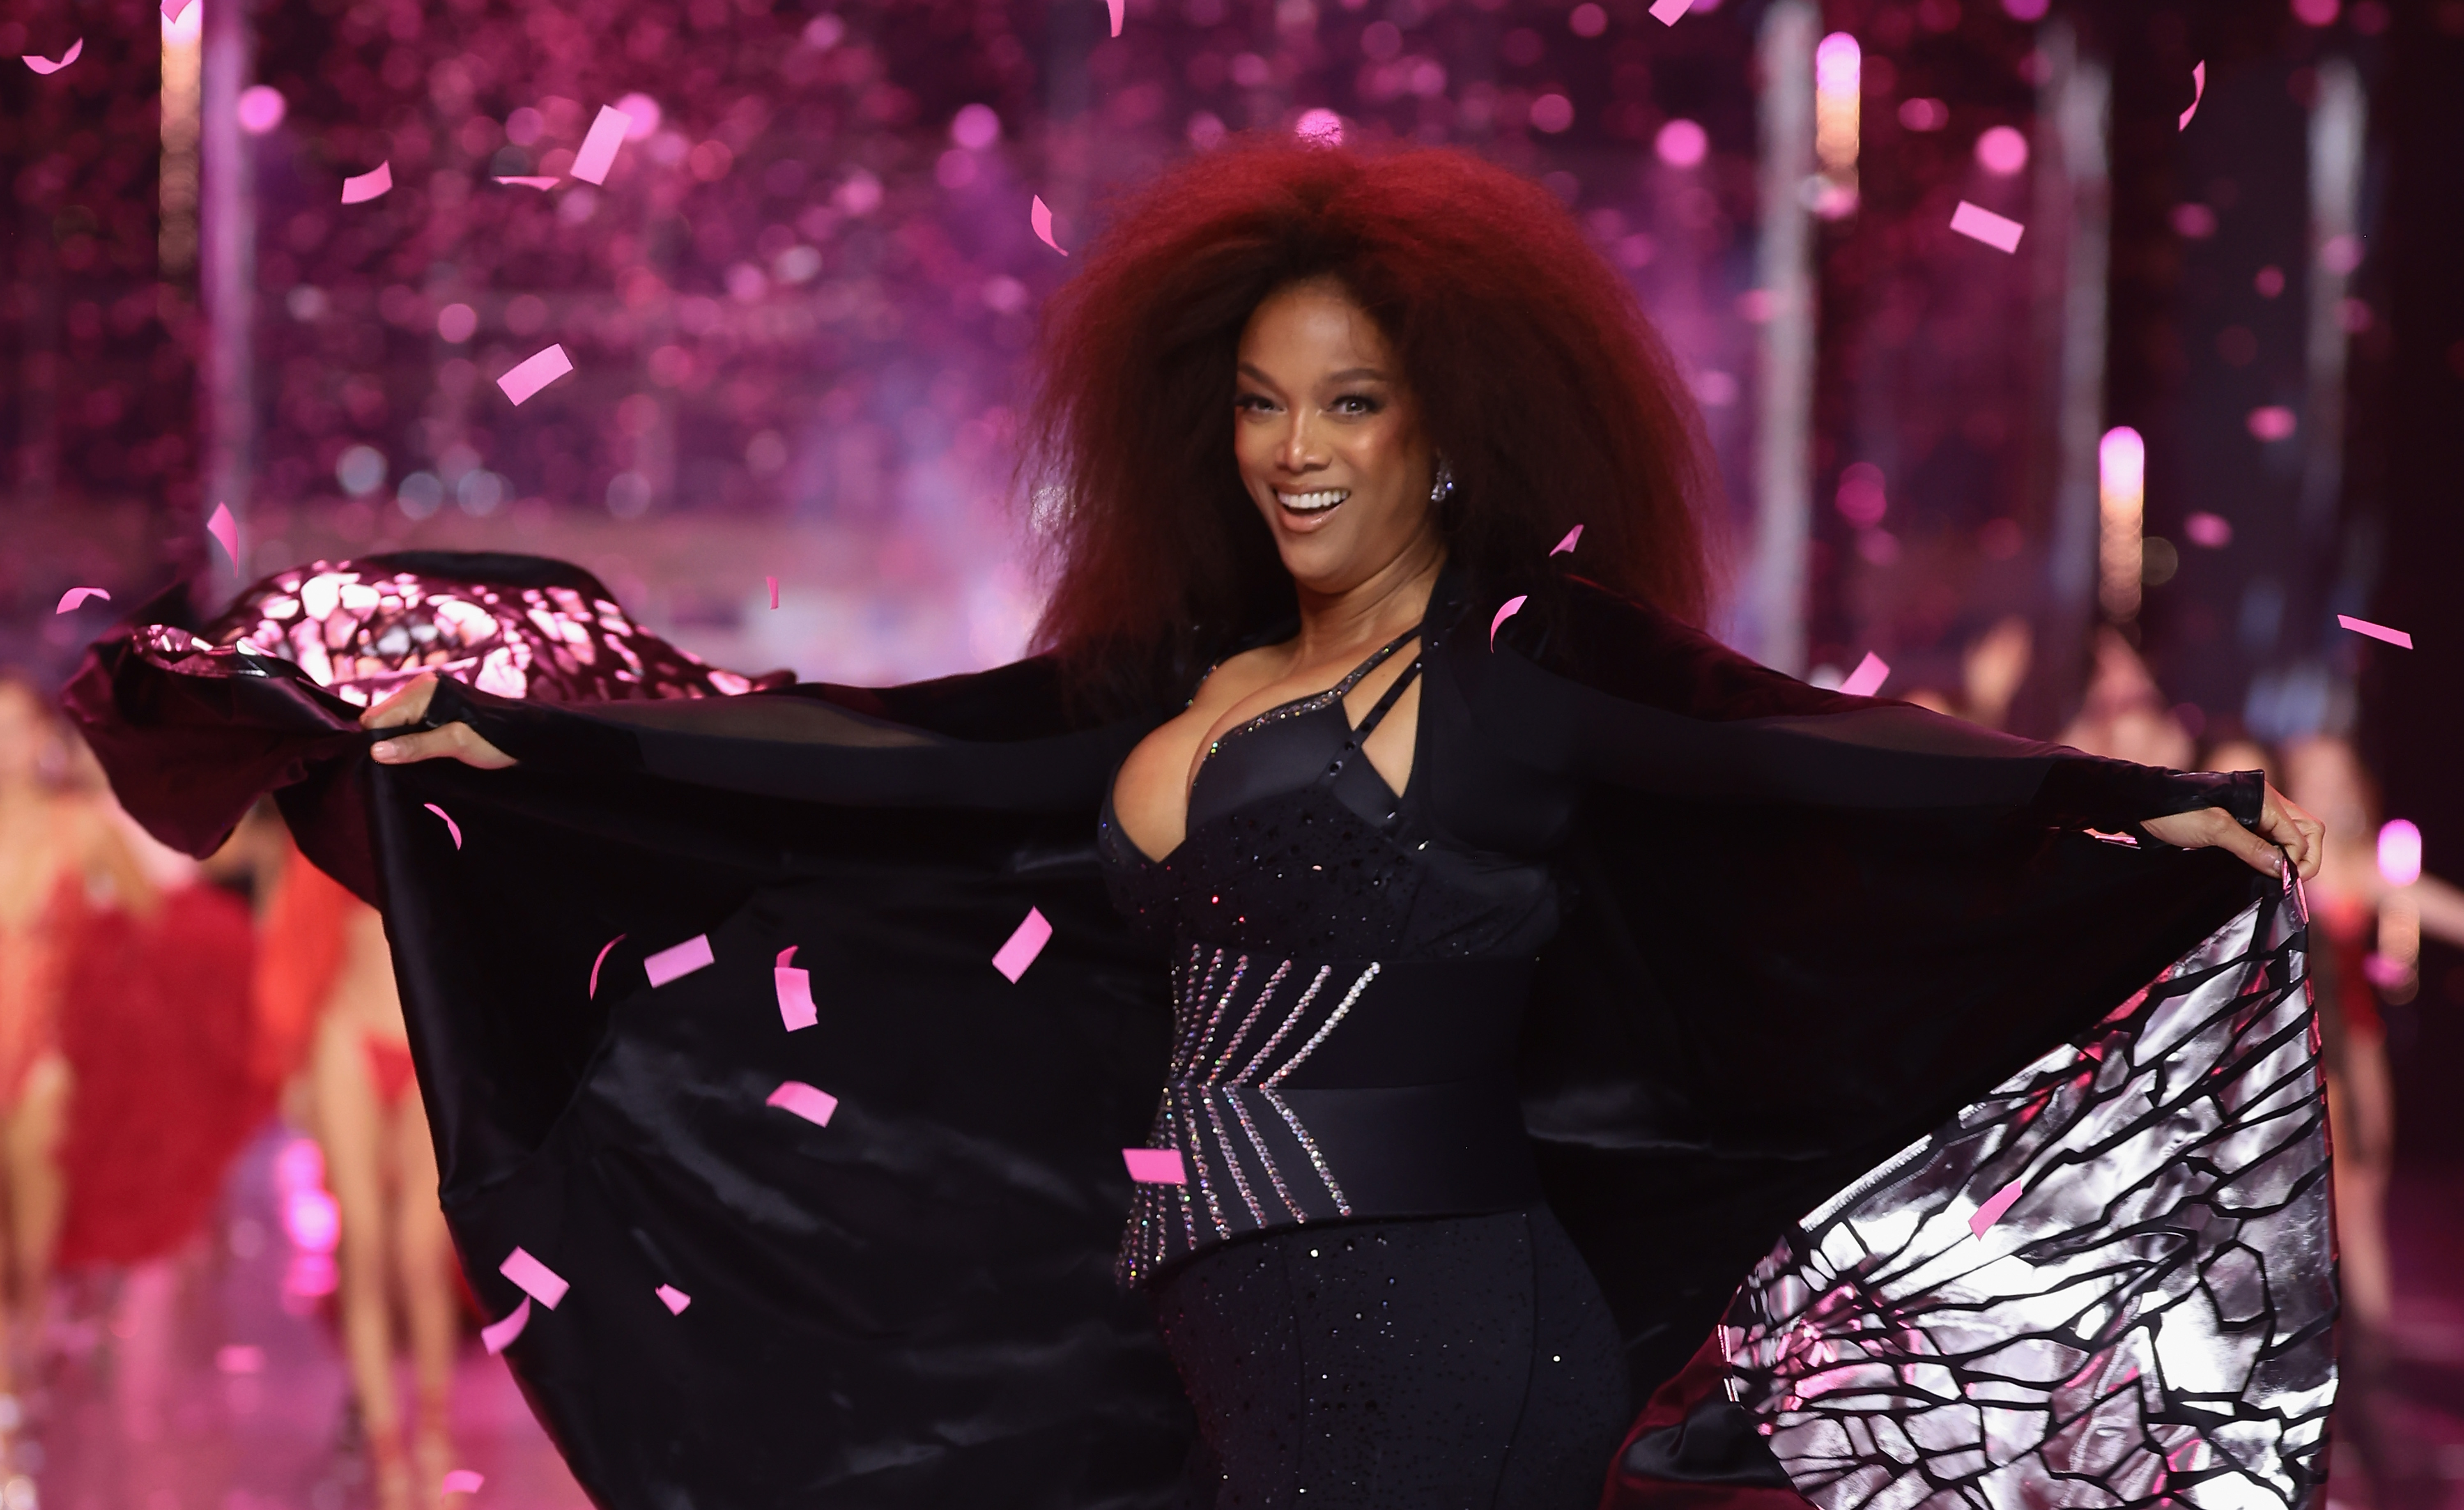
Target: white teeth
x,y
1313,502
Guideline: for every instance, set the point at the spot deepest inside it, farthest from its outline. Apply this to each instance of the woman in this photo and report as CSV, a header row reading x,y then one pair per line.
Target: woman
x,y
1367,774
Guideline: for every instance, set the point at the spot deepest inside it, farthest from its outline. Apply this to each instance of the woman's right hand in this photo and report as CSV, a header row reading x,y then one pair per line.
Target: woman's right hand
x,y
450,742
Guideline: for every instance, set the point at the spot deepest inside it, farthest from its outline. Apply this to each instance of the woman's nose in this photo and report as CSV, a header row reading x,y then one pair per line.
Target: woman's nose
x,y
1298,453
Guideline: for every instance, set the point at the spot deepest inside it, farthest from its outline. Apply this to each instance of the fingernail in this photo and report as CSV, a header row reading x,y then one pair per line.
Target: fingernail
x,y
384,750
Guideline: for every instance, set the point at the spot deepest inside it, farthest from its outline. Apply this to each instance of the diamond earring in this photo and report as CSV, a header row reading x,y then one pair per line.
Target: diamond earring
x,y
1443,487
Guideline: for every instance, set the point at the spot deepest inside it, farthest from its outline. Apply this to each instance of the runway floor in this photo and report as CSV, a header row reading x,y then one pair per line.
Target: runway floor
x,y
207,1383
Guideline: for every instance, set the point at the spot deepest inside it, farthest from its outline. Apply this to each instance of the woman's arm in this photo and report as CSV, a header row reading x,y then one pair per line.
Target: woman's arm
x,y
455,741
2284,832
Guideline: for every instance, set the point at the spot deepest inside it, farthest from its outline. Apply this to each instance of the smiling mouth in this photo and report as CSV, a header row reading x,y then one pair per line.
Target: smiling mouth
x,y
1317,502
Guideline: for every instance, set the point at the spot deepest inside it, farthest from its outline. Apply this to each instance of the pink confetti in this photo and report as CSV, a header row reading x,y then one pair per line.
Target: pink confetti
x,y
601,960
537,1280
788,955
1040,217
499,1336
462,1482
1154,1166
44,65
2376,631
1116,7
226,530
2198,90
774,590
1667,11
75,598
807,1102
2212,530
1566,544
535,372
1998,232
1027,941
1992,1210
1513,606
1868,677
795,987
678,961
451,827
530,181
171,9
674,1298
598,152
2271,422
370,184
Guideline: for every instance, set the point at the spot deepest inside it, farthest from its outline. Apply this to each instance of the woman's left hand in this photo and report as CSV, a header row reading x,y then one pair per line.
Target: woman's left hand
x,y
2284,832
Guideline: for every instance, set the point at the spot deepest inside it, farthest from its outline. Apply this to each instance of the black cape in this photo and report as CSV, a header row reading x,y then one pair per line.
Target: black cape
x,y
1808,926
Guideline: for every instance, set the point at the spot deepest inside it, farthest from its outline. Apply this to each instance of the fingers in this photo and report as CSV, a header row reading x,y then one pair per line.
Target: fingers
x,y
2258,853
2302,837
408,706
453,742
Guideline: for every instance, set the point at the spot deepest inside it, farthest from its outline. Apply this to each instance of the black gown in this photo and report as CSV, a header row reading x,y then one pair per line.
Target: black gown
x,y
1986,1152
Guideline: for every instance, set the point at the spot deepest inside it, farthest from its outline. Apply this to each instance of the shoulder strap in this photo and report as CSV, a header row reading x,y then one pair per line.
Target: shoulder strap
x,y
1386,700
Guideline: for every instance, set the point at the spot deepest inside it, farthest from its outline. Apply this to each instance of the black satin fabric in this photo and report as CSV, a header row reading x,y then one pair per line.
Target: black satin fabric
x,y
1798,930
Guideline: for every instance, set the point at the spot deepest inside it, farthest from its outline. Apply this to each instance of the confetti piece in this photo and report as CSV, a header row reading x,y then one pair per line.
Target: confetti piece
x,y
1116,7
1513,606
535,372
1025,942
601,960
462,1482
674,1298
1154,1166
1040,217
774,590
226,530
1998,232
1992,1210
796,1007
1568,543
788,955
370,184
530,181
1868,677
537,1280
683,959
2376,631
807,1102
75,598
598,152
451,827
44,65
1667,11
171,9
500,1335
2198,89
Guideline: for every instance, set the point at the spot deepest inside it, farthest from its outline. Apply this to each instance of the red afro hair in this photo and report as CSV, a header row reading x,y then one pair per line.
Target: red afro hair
x,y
1535,372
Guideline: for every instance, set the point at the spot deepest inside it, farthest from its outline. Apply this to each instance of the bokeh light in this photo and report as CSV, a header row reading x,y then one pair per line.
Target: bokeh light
x,y
261,109
1682,144
2002,151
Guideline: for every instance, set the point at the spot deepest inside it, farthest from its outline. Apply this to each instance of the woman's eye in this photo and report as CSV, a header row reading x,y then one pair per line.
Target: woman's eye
x,y
1357,403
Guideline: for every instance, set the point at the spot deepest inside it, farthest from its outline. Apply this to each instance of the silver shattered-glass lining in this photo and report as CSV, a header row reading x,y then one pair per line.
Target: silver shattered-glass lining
x,y
2147,1324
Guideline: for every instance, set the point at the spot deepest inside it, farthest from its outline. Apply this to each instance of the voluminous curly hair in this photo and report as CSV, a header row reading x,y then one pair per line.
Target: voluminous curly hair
x,y
1534,370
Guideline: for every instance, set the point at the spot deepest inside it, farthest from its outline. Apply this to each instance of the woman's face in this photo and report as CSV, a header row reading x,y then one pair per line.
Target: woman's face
x,y
1329,443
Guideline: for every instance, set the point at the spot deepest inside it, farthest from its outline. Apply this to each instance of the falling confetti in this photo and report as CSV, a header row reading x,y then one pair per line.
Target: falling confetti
x,y
774,590
1025,942
75,598
171,9
1998,232
601,960
1116,7
1568,543
44,65
1040,217
1868,678
2376,631
463,1481
1667,11
498,1336
1513,606
530,181
807,1102
451,827
674,1298
1154,1166
535,372
368,185
1992,1210
683,959
2198,89
226,530
598,152
795,989
537,1280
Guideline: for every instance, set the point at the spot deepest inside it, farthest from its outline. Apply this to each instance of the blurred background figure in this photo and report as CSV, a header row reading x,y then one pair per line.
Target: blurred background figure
x,y
2124,716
